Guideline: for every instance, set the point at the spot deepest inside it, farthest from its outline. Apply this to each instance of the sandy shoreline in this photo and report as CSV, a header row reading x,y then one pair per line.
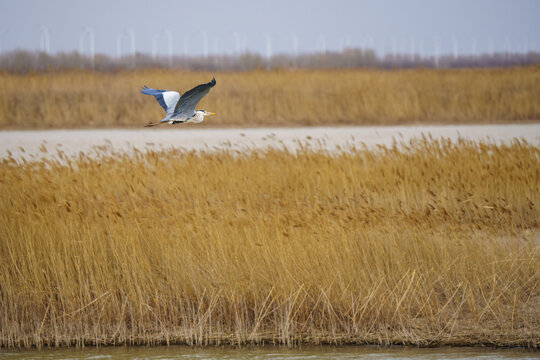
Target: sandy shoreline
x,y
28,144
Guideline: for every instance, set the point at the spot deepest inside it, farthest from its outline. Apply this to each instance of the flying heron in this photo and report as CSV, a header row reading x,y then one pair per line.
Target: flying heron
x,y
181,109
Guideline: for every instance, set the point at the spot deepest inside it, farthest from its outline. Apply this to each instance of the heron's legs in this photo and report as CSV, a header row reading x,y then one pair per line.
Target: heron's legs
x,y
153,124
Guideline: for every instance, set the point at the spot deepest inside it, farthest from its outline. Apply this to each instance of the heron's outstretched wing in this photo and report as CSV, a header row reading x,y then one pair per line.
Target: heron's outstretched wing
x,y
167,99
186,105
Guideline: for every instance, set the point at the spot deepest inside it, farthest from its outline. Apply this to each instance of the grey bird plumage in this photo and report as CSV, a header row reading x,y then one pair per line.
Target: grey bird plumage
x,y
181,109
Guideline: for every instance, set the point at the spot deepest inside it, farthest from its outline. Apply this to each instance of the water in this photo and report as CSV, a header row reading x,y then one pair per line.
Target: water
x,y
31,145
270,352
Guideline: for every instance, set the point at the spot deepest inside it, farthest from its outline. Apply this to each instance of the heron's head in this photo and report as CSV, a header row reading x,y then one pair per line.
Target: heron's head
x,y
206,113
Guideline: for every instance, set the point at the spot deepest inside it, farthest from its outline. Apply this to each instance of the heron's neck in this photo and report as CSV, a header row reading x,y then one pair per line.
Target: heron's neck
x,y
198,117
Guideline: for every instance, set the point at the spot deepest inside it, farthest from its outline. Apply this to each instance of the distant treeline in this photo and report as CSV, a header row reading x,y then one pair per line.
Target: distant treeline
x,y
22,61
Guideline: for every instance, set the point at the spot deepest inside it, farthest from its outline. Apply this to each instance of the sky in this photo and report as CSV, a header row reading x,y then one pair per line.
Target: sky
x,y
202,27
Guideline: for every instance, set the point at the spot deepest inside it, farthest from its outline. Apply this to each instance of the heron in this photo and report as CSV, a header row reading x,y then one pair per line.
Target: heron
x,y
181,109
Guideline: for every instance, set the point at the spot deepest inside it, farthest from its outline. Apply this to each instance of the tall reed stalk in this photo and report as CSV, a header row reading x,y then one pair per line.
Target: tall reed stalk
x,y
429,243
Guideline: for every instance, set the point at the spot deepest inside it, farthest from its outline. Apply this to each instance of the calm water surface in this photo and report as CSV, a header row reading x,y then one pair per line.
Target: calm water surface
x,y
274,353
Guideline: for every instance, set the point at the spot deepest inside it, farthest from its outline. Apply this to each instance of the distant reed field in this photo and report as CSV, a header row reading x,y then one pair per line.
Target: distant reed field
x,y
428,244
81,99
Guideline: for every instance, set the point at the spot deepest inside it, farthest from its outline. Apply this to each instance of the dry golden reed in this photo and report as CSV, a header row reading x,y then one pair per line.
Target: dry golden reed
x,y
431,243
80,99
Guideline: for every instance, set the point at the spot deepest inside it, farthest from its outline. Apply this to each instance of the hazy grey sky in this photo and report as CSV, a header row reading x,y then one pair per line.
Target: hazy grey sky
x,y
269,27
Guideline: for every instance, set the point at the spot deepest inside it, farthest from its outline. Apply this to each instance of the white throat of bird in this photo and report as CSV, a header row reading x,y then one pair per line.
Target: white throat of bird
x,y
199,116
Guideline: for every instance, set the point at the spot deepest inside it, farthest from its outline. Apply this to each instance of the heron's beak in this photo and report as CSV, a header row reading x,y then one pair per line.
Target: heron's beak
x,y
210,113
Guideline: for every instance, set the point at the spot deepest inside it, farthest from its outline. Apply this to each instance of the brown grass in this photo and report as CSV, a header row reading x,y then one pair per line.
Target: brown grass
x,y
78,99
434,243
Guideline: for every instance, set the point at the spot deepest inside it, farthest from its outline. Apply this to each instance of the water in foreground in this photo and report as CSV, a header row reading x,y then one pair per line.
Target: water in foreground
x,y
47,143
270,352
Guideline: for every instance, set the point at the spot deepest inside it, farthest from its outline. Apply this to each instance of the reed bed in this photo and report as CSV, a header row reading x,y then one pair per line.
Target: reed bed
x,y
82,99
426,243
